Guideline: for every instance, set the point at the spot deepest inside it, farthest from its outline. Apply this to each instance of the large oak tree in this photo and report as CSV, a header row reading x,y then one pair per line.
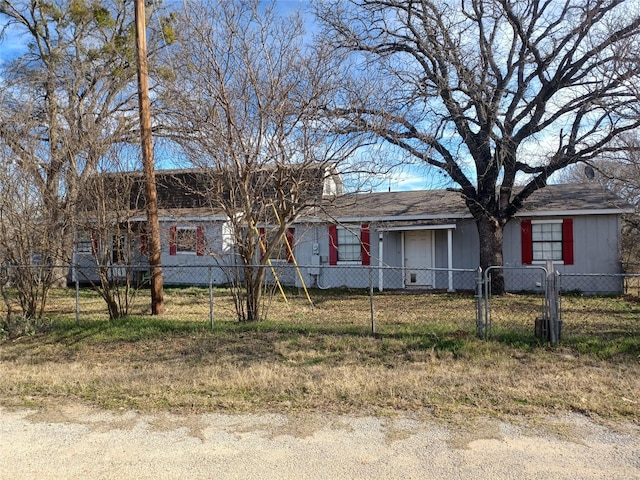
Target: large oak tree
x,y
497,94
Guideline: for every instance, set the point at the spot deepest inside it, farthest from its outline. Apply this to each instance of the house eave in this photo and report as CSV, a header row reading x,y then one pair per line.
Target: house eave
x,y
403,218
572,213
407,227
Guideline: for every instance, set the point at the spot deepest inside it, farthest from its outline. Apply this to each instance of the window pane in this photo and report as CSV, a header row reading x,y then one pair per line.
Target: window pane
x,y
280,252
186,240
349,244
83,246
547,241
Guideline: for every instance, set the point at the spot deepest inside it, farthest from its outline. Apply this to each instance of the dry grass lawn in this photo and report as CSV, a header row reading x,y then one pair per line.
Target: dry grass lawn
x,y
424,357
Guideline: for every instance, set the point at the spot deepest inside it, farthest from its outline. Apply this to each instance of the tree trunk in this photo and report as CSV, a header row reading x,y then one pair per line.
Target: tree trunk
x,y
490,233
254,277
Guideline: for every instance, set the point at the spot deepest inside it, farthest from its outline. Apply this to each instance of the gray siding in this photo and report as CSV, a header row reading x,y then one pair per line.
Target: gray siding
x,y
596,244
596,251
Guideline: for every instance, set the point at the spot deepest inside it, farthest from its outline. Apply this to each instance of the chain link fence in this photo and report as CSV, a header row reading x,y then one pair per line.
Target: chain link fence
x,y
359,297
600,307
512,315
362,298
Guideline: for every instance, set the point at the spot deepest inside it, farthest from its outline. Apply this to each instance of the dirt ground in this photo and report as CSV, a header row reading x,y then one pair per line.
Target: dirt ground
x,y
78,442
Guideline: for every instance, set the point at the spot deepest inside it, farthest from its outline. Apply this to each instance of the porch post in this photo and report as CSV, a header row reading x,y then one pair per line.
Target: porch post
x,y
450,257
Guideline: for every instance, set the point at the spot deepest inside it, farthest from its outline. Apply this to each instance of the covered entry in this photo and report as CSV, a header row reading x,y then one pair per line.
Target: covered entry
x,y
418,253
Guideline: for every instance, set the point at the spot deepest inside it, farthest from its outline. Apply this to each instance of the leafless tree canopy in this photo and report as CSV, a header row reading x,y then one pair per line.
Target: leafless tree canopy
x,y
496,93
620,173
245,108
66,101
69,97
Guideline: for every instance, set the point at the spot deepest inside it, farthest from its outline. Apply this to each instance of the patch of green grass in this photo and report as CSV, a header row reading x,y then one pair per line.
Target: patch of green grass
x,y
618,347
130,329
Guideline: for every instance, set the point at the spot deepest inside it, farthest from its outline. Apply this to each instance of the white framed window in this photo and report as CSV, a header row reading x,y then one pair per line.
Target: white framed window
x,y
349,246
186,240
549,239
283,251
546,240
84,247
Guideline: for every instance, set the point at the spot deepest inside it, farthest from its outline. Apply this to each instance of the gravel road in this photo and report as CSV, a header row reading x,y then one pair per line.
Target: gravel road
x,y
78,442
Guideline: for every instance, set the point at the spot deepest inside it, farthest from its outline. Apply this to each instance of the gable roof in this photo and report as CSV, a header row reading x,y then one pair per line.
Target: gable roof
x,y
448,204
200,189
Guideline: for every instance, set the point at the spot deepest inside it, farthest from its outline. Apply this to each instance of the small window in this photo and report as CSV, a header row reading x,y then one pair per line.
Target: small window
x,y
188,240
546,241
118,249
349,246
84,247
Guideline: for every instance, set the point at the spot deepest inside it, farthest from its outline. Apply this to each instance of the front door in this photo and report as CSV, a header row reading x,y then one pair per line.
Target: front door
x,y
418,259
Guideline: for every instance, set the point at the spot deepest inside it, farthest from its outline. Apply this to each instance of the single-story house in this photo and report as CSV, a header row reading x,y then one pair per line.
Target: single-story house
x,y
418,238
428,233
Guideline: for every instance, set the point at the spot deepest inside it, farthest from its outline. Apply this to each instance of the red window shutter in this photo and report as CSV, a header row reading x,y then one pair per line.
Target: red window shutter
x,y
143,243
527,242
290,239
200,240
567,241
173,237
365,244
333,245
263,242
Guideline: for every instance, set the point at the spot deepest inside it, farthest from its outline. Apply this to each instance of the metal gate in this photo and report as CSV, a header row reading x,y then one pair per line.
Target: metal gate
x,y
534,307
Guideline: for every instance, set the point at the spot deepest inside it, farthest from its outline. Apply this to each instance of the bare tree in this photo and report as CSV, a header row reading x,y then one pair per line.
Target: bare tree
x,y
111,243
27,273
67,98
618,172
245,109
498,94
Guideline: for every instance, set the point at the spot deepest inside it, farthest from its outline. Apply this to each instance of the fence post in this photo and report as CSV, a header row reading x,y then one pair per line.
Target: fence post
x,y
487,304
380,257
77,285
552,304
210,297
371,304
479,320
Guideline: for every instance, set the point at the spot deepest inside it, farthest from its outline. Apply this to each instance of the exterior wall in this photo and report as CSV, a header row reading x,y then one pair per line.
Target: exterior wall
x,y
344,274
465,256
187,268
466,245
596,250
595,246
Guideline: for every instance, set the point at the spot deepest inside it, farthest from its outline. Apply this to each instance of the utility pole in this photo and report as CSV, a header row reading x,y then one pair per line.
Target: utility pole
x,y
153,225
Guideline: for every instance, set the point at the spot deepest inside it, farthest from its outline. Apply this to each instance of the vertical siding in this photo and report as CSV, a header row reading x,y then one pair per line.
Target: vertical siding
x,y
466,245
596,250
596,244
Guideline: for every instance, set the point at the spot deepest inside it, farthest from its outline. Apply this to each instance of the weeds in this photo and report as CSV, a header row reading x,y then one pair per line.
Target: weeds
x,y
424,357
